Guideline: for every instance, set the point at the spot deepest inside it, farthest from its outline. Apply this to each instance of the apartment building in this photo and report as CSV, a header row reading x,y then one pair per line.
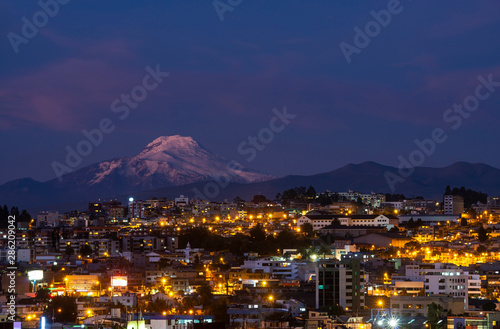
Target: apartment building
x,y
373,199
453,205
443,279
340,283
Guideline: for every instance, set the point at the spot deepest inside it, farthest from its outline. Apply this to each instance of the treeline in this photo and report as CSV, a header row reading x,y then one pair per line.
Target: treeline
x,y
470,197
22,216
258,241
303,194
297,194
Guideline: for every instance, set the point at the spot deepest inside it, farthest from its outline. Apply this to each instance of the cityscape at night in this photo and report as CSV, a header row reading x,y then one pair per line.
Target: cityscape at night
x,y
249,164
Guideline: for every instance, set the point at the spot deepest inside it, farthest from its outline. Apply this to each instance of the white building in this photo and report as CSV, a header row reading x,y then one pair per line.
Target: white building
x,y
181,201
276,268
374,199
388,221
442,279
317,221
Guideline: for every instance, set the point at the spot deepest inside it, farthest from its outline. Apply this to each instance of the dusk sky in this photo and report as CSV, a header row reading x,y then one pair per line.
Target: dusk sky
x,y
227,76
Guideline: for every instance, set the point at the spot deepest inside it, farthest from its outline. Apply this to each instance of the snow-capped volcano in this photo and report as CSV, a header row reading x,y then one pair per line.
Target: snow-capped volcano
x,y
166,161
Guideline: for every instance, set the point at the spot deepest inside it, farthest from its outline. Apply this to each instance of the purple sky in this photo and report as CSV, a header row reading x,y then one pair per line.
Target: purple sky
x,y
227,76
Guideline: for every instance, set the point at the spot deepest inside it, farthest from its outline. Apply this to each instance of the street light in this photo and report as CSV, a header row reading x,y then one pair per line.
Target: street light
x,y
99,283
393,322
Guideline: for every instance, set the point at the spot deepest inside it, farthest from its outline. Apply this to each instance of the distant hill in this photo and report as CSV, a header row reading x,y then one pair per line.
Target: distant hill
x,y
364,177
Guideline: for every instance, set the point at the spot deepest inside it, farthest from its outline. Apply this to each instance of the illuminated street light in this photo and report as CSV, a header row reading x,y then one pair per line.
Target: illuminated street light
x,y
393,323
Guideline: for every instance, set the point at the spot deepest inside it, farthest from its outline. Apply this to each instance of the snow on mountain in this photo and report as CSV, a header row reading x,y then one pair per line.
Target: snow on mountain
x,y
170,160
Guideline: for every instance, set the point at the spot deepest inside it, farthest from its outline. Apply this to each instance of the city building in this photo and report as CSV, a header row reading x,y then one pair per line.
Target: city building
x,y
453,205
412,306
340,284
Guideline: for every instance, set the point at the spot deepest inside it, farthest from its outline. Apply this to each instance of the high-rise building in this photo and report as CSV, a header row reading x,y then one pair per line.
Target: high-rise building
x,y
340,284
453,205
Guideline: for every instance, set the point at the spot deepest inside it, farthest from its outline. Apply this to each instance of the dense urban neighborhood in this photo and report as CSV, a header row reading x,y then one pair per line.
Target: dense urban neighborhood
x,y
300,259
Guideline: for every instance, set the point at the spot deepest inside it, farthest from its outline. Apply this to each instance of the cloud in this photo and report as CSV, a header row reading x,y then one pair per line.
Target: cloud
x,y
64,94
460,22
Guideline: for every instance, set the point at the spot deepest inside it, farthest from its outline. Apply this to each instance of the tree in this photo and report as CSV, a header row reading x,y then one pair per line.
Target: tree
x,y
311,192
434,314
394,230
259,198
158,305
257,233
335,310
4,217
307,229
413,245
64,309
218,309
14,211
85,250
197,262
481,249
205,293
489,306
463,221
43,294
394,197
448,190
238,200
324,199
24,216
482,234
69,251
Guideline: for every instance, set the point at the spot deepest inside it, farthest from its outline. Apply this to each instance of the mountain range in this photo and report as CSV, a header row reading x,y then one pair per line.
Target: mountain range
x,y
174,165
